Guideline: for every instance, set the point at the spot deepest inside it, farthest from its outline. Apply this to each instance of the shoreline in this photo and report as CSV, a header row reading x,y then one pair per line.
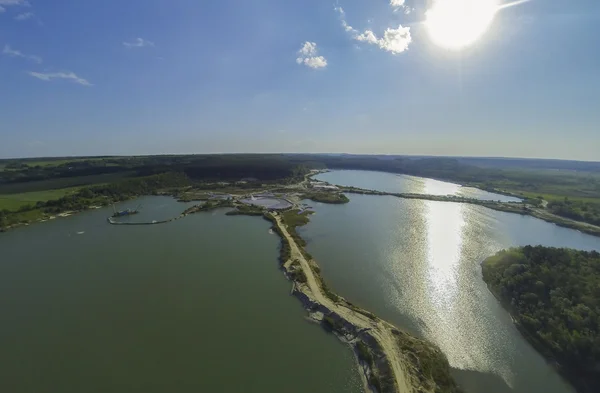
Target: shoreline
x,y
529,338
507,207
454,182
562,222
383,365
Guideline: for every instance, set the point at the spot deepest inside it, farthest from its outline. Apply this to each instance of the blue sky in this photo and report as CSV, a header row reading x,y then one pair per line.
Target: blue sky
x,y
191,76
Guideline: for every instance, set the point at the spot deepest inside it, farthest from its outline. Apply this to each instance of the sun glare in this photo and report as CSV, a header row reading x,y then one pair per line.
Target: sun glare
x,y
455,24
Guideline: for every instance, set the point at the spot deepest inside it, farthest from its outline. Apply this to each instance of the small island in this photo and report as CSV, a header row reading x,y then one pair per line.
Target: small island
x,y
554,297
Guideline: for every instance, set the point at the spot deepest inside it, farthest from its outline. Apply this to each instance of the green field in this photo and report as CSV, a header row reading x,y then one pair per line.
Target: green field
x,y
14,202
550,184
48,163
62,182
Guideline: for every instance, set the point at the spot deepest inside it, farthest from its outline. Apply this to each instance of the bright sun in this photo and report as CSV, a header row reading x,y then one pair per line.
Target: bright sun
x,y
455,24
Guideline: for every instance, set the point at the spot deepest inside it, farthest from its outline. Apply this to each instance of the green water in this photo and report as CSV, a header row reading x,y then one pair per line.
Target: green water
x,y
197,305
417,264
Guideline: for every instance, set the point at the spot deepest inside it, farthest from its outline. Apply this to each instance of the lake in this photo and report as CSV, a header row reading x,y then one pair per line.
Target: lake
x,y
389,182
196,305
417,263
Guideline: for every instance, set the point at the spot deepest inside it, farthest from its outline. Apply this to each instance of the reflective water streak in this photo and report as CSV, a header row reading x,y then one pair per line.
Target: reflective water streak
x,y
390,182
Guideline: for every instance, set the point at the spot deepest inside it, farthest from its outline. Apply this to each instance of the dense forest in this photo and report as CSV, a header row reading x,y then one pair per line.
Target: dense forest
x,y
554,296
201,167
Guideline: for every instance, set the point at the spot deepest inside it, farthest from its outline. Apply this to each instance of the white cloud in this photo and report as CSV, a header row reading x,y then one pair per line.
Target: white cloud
x,y
345,24
315,62
24,16
60,75
367,36
400,5
308,49
138,43
307,55
394,40
8,51
2,9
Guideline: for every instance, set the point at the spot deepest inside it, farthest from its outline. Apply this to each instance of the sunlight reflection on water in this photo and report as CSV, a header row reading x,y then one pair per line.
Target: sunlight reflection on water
x,y
454,319
444,242
417,263
429,273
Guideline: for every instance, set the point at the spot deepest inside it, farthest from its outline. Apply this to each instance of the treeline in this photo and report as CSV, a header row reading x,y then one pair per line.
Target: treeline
x,y
554,296
327,197
577,210
22,172
204,167
517,179
115,192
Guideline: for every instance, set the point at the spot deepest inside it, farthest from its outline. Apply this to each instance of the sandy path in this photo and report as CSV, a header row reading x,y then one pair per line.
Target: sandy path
x,y
380,330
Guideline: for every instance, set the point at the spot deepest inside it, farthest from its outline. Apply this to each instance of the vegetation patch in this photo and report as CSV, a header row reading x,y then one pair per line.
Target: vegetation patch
x,y
579,210
364,353
428,363
27,200
366,356
246,210
285,252
332,324
61,183
295,218
554,297
327,197
296,273
209,205
332,296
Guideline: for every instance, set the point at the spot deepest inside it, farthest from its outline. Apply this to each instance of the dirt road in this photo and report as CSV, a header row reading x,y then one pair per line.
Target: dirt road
x,y
380,330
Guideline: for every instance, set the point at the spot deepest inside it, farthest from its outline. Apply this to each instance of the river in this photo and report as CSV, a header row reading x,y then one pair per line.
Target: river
x,y
417,263
196,305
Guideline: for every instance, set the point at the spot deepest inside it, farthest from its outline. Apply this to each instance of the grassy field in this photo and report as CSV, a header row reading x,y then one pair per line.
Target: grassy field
x,y
14,202
549,184
48,162
293,219
559,198
60,183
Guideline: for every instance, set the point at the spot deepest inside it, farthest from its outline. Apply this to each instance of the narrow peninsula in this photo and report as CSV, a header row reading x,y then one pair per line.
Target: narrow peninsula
x,y
391,360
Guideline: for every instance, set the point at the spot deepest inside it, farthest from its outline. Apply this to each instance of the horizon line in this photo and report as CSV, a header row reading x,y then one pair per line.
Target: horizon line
x,y
307,154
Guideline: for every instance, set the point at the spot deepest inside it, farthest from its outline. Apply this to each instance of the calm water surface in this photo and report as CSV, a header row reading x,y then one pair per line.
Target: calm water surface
x,y
197,305
417,264
389,182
